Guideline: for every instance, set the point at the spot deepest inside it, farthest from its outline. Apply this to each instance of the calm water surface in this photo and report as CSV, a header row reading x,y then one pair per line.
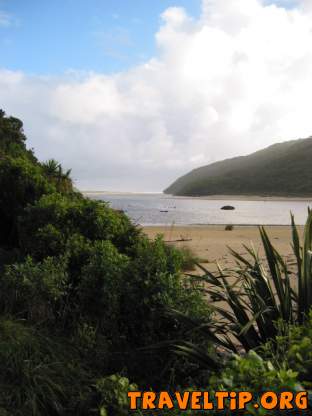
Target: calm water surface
x,y
146,209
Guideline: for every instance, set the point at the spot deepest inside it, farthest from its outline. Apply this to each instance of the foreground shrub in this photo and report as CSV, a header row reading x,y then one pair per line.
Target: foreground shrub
x,y
112,395
36,375
153,284
34,291
101,286
240,373
46,226
259,294
292,348
250,372
262,312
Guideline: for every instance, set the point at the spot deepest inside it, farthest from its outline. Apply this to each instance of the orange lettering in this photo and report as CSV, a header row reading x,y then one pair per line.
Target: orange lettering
x,y
220,396
165,400
286,399
148,400
207,404
302,400
269,400
244,397
133,396
183,402
196,395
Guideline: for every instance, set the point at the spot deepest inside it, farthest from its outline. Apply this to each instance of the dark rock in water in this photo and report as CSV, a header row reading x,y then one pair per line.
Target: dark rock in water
x,y
228,208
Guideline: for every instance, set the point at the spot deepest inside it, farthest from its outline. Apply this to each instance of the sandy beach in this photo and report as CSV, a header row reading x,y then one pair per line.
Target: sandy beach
x,y
209,243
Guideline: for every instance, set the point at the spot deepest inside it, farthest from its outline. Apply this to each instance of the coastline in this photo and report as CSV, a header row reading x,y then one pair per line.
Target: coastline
x,y
243,198
207,197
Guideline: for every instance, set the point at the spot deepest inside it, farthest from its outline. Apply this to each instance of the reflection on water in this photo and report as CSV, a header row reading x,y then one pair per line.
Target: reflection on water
x,y
159,209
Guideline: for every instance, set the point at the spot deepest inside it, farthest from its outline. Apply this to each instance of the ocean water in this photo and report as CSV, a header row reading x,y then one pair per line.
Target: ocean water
x,y
160,209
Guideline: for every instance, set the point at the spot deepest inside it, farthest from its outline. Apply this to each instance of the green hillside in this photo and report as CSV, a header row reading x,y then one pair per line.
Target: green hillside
x,y
283,169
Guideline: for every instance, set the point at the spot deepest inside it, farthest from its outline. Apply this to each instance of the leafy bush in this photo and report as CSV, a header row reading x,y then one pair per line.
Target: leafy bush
x,y
111,396
34,291
100,287
250,372
46,226
189,259
155,283
292,348
21,183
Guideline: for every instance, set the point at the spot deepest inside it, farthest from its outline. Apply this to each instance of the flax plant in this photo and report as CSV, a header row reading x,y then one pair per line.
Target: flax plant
x,y
252,297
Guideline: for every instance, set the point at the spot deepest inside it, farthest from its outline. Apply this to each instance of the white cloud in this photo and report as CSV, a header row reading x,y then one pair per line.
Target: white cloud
x,y
232,81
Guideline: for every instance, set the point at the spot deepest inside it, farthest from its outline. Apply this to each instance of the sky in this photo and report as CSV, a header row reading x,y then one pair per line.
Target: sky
x,y
131,94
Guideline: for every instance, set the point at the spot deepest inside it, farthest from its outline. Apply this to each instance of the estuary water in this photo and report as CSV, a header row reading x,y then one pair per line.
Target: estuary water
x,y
160,209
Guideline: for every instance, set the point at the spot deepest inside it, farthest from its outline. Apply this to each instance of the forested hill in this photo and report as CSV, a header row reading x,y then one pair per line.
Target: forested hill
x,y
283,169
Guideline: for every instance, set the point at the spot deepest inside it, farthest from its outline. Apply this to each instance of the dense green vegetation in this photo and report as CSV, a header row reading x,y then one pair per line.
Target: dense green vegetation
x,y
283,169
91,309
82,293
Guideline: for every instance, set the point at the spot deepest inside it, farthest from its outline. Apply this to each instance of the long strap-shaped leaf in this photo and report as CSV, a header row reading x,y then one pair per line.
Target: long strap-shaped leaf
x,y
297,249
273,262
251,338
306,267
